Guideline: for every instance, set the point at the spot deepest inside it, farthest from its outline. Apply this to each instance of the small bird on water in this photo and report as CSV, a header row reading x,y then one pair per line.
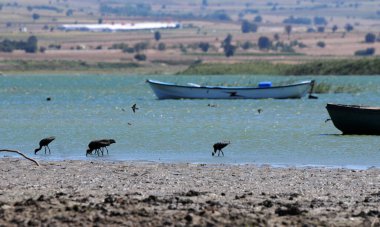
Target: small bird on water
x,y
218,147
134,108
259,110
44,143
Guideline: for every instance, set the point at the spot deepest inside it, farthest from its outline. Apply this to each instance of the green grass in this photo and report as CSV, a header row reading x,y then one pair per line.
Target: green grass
x,y
321,88
257,67
54,65
364,66
247,54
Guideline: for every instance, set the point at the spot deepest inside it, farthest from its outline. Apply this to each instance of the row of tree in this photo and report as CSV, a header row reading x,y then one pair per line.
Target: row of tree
x,y
29,46
247,27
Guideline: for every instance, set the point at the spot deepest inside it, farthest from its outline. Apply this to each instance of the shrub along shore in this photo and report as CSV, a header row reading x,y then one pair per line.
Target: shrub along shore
x,y
363,66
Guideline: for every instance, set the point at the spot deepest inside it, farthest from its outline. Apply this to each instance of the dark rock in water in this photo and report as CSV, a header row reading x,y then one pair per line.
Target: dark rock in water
x,y
48,99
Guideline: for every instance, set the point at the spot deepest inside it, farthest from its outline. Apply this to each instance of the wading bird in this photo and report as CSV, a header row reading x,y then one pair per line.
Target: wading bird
x,y
94,145
105,143
98,145
218,147
44,143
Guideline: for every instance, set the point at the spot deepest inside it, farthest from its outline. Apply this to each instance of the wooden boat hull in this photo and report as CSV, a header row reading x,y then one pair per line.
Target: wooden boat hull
x,y
173,91
359,120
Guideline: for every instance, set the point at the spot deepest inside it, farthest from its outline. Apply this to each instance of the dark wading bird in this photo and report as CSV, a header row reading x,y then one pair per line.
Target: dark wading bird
x,y
218,147
106,143
98,145
45,143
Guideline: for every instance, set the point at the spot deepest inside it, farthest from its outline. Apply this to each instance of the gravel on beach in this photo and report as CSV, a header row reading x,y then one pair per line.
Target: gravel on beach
x,y
83,193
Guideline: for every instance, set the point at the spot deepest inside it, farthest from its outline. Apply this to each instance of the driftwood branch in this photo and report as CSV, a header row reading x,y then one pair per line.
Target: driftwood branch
x,y
18,152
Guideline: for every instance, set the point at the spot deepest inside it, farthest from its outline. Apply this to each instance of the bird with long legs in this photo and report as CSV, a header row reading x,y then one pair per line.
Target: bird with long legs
x,y
98,145
105,143
94,145
219,146
44,143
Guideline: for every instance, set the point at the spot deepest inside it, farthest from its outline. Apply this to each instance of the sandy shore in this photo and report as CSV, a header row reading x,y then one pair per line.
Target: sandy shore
x,y
82,193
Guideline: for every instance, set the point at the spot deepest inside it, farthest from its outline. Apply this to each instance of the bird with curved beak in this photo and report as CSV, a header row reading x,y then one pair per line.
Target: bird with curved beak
x,y
45,143
218,147
98,145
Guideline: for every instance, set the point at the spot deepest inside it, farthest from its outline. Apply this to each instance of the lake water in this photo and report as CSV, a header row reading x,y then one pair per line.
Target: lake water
x,y
87,107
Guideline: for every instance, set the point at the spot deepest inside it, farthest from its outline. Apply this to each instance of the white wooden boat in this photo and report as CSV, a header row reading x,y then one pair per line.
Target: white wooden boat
x,y
194,91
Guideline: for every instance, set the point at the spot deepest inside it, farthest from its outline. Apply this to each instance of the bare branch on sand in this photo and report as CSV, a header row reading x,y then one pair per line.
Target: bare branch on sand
x,y
18,152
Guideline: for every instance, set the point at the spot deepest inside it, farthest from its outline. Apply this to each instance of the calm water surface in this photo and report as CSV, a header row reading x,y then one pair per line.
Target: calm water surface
x,y
87,107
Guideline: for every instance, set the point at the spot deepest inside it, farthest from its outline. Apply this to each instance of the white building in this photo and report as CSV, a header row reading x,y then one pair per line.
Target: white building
x,y
119,27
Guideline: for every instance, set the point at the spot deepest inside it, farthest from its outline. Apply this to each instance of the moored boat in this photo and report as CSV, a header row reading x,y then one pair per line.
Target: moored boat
x,y
263,91
355,119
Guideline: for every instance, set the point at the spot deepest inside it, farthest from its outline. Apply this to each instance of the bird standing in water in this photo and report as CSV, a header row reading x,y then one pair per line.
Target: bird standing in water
x,y
98,145
44,143
106,143
218,147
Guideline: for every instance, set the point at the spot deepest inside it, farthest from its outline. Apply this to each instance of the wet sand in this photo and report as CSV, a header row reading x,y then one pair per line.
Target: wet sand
x,y
83,193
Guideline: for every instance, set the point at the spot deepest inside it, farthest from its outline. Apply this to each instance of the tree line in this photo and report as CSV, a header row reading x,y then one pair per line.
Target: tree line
x,y
29,46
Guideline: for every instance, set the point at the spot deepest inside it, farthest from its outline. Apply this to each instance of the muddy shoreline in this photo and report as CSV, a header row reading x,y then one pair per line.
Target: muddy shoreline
x,y
83,193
